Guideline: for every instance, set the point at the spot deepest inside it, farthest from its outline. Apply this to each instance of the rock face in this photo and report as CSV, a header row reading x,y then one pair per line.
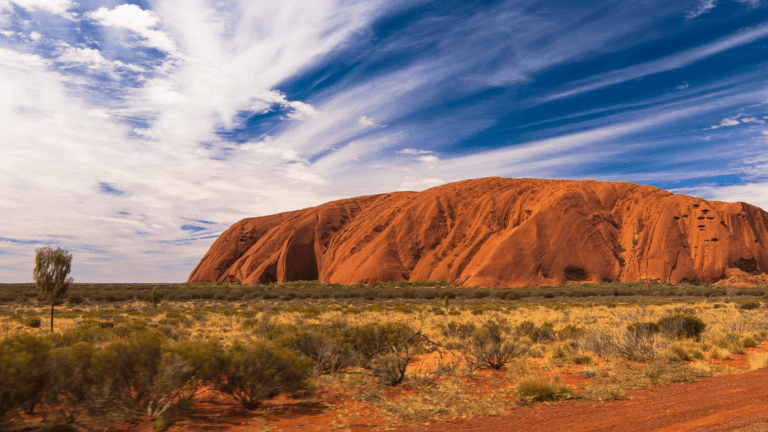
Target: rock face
x,y
497,232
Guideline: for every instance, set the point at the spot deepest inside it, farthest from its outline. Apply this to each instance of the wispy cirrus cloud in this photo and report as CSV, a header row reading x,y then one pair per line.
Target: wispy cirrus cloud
x,y
665,64
704,7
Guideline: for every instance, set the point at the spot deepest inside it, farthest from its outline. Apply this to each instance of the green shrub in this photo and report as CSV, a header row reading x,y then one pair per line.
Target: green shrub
x,y
330,354
438,311
75,299
641,329
201,359
582,359
569,332
390,367
457,330
23,372
33,322
73,383
541,390
543,334
143,377
369,339
253,373
491,346
90,331
682,325
750,343
750,305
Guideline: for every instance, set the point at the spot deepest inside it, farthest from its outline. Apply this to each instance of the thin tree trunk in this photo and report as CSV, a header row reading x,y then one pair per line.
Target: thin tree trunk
x,y
52,303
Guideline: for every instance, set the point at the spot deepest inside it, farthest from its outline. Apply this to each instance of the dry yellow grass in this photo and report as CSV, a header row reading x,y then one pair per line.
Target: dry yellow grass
x,y
758,361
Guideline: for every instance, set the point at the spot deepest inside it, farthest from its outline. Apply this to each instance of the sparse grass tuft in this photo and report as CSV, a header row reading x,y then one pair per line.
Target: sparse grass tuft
x,y
539,389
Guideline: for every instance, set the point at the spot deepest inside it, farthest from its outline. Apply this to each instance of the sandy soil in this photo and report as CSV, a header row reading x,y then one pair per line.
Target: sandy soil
x,y
714,404
720,403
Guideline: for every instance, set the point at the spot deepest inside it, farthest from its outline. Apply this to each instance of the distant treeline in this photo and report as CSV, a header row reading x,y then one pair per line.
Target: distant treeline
x,y
111,293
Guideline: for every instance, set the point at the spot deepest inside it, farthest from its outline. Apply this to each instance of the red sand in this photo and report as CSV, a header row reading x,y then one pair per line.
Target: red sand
x,y
714,404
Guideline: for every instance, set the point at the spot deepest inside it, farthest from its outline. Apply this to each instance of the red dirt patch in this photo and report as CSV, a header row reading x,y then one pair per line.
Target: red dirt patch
x,y
714,404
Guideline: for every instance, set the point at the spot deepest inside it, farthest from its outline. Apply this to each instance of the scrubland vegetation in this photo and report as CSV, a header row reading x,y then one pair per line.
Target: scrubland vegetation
x,y
125,355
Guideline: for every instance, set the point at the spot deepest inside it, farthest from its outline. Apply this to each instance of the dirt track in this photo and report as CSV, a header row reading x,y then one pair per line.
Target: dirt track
x,y
715,404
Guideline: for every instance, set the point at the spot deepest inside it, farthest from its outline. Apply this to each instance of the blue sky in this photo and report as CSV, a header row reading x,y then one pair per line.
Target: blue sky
x,y
134,133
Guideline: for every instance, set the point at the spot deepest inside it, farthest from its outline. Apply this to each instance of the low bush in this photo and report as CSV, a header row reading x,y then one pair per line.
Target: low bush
x,y
682,325
390,367
252,373
623,343
682,352
750,343
23,373
453,329
73,383
329,353
569,332
544,333
202,360
750,305
537,389
369,339
75,299
491,346
643,329
33,322
583,359
144,377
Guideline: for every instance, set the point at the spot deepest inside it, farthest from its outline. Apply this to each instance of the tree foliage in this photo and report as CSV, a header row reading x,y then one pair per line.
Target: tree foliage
x,y
51,273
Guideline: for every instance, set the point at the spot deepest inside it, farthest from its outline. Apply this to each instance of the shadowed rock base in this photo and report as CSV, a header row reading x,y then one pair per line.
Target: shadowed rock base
x,y
497,232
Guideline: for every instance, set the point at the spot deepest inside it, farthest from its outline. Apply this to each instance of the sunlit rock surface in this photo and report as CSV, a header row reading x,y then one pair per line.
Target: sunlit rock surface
x,y
497,232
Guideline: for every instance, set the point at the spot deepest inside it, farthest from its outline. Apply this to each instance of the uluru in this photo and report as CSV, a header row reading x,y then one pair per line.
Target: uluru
x,y
497,232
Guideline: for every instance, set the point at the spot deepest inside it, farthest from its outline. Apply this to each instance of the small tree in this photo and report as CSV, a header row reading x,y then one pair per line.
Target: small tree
x,y
51,273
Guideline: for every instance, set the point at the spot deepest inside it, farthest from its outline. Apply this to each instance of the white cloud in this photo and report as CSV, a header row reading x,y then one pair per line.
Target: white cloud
x,y
366,121
752,193
92,58
167,157
99,113
428,159
408,151
412,151
298,110
56,7
704,7
726,122
35,36
682,86
672,62
142,22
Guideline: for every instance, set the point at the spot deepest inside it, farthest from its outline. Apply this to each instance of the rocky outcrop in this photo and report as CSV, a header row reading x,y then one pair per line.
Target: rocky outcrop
x,y
497,232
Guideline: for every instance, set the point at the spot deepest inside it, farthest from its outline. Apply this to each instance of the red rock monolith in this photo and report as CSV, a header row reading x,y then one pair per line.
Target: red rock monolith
x,y
497,232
